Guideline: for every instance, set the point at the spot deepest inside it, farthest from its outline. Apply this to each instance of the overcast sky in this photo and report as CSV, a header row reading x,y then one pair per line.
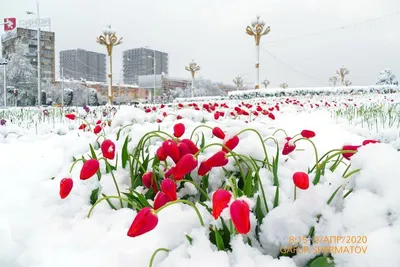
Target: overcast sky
x,y
213,33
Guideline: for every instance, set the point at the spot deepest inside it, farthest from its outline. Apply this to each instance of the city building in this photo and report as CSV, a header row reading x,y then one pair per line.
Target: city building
x,y
164,84
25,41
81,64
139,61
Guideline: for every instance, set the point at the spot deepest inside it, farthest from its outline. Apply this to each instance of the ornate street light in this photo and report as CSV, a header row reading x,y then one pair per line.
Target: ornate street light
x,y
266,82
257,30
238,81
109,39
193,68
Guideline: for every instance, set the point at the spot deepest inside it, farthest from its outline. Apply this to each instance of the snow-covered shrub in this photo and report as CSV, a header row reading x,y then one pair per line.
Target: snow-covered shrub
x,y
93,99
68,97
387,77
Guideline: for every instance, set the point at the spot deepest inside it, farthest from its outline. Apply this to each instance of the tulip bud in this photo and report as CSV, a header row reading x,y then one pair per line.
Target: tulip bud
x,y
108,149
301,180
220,201
145,221
66,185
240,214
89,168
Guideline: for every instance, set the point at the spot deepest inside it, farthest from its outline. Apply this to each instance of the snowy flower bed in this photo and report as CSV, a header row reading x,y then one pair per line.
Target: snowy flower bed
x,y
199,99
279,92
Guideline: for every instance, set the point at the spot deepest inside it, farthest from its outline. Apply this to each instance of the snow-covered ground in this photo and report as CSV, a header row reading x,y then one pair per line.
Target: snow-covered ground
x,y
39,229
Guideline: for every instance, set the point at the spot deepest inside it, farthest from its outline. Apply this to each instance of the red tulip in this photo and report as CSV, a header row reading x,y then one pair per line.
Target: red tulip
x,y
183,149
192,146
97,129
169,172
216,115
240,214
169,188
220,201
83,126
161,154
219,159
231,143
108,149
145,221
160,200
350,154
179,130
178,117
307,134
301,180
288,148
89,168
203,169
271,116
66,185
70,116
217,132
98,122
366,142
171,149
148,181
185,165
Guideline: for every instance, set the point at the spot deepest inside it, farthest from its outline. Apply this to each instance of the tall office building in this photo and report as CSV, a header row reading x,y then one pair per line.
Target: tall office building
x,y
139,61
80,64
25,41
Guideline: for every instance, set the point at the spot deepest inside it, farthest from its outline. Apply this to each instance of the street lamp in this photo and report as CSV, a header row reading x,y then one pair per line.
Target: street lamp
x,y
154,67
238,81
109,39
4,63
38,48
193,68
257,30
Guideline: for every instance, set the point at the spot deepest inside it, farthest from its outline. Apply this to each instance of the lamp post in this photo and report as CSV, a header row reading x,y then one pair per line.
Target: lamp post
x,y
238,81
154,70
38,48
193,68
109,39
4,63
257,30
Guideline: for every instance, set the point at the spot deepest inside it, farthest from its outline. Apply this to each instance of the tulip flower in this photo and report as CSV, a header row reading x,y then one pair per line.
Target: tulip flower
x,y
366,142
240,214
145,221
192,146
271,116
301,180
161,154
171,149
108,149
231,143
97,129
220,201
169,172
217,132
307,134
89,168
288,148
178,117
219,159
203,169
350,154
183,149
185,165
160,200
179,130
82,126
66,185
70,116
98,122
148,181
168,187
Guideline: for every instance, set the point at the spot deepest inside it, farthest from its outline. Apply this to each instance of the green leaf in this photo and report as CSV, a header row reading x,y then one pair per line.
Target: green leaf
x,y
227,173
125,154
189,239
276,199
317,175
226,235
333,195
248,184
134,199
249,241
94,196
203,141
258,211
204,186
73,159
92,152
321,261
219,241
142,199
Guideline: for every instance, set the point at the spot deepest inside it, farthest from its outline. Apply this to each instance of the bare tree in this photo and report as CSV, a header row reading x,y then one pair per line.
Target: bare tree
x,y
266,82
342,72
333,80
347,83
238,81
284,85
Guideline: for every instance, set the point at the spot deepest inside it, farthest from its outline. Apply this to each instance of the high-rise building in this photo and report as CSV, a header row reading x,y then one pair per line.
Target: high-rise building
x,y
26,40
81,64
139,61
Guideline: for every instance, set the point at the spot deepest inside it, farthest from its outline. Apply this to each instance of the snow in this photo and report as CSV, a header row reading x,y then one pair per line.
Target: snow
x,y
38,229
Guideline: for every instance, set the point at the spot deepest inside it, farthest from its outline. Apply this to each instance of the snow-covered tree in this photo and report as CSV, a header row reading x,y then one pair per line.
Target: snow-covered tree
x,y
387,77
347,83
93,99
284,85
342,72
203,87
21,74
333,80
69,95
